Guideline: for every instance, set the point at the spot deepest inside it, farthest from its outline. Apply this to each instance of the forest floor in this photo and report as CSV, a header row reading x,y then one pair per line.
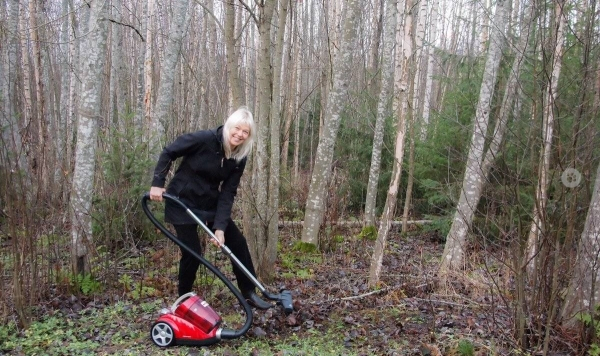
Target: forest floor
x,y
405,315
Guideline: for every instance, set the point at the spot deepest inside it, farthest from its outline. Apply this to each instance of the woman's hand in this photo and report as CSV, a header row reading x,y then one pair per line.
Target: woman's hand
x,y
220,235
156,193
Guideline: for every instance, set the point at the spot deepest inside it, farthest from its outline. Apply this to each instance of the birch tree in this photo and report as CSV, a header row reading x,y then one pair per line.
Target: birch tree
x,y
89,114
428,99
27,95
584,295
234,96
541,193
402,78
383,107
38,103
418,94
168,68
275,128
11,136
473,181
148,67
316,200
267,169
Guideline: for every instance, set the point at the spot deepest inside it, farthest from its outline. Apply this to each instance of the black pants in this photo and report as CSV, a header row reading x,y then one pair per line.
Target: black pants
x,y
188,265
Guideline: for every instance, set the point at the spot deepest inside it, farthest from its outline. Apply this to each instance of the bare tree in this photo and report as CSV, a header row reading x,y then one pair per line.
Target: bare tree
x,y
148,67
316,201
89,114
383,108
265,202
541,195
11,134
430,50
235,98
417,106
275,133
473,181
402,98
168,68
584,295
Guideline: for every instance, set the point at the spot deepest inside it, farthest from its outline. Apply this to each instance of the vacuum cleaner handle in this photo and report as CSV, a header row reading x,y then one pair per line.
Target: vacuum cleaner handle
x,y
223,247
181,299
284,297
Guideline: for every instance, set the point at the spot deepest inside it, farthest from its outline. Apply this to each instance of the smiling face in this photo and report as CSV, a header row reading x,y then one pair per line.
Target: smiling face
x,y
238,134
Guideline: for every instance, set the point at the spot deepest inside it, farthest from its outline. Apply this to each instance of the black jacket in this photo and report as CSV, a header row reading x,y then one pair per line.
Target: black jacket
x,y
205,180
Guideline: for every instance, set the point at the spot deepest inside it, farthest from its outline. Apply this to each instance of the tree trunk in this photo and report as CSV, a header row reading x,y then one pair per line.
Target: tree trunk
x,y
473,181
428,98
164,98
11,134
584,293
235,98
74,86
541,194
404,68
39,112
148,69
316,200
275,145
27,114
262,214
293,93
383,108
94,60
418,93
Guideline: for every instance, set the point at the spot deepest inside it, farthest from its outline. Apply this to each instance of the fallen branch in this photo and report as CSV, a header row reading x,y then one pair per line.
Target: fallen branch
x,y
353,223
356,296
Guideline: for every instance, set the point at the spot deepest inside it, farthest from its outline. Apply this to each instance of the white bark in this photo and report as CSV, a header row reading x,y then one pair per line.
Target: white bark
x,y
541,194
315,205
93,62
27,114
428,102
11,136
261,214
234,96
168,69
584,295
402,79
275,154
510,94
148,67
63,112
473,181
383,108
74,85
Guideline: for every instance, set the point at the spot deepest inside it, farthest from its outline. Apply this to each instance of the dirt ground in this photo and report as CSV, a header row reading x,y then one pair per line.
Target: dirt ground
x,y
406,315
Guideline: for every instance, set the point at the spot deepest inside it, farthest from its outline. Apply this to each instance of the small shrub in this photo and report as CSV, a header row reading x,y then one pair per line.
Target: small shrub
x,y
593,322
304,247
86,283
465,348
368,233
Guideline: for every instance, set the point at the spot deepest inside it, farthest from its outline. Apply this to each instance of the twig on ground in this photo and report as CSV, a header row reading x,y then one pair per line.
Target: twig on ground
x,y
355,296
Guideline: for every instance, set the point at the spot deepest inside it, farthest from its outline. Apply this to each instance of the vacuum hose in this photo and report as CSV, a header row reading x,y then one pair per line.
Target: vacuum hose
x,y
225,333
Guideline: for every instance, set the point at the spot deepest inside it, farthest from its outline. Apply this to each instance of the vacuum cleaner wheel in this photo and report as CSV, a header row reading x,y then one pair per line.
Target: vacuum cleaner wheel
x,y
162,334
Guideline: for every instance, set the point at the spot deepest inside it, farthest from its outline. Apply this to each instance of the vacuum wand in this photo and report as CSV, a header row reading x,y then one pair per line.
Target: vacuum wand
x,y
284,297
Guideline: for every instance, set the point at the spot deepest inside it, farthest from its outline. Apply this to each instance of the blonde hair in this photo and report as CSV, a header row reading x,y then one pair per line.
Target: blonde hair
x,y
240,116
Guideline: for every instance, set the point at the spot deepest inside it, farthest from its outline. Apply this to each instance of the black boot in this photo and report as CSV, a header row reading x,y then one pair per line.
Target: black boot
x,y
255,301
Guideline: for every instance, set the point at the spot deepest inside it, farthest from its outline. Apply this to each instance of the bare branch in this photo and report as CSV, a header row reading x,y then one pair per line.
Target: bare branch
x,y
130,26
250,11
211,15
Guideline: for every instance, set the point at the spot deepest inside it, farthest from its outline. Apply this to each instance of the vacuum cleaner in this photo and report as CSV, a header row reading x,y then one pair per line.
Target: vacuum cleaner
x,y
191,320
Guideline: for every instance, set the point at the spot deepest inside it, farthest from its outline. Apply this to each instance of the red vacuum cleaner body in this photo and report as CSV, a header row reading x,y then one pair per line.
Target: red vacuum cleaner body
x,y
190,321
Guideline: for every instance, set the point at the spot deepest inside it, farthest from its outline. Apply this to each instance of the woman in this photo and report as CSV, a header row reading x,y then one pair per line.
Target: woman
x,y
206,181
